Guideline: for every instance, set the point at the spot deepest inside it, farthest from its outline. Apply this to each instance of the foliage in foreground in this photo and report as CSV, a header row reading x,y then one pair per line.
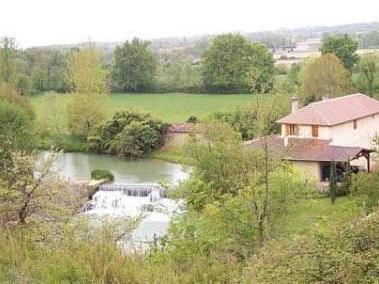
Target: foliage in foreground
x,y
347,256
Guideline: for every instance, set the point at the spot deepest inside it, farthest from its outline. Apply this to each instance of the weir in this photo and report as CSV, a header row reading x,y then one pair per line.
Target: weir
x,y
138,190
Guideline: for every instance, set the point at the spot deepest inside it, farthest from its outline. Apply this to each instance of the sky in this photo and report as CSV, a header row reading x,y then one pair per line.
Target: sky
x,y
47,22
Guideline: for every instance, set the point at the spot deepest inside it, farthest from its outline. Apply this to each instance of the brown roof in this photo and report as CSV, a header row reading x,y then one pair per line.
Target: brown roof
x,y
300,149
334,111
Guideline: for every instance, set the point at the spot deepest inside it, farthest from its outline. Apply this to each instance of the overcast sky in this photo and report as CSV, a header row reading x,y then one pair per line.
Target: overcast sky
x,y
44,22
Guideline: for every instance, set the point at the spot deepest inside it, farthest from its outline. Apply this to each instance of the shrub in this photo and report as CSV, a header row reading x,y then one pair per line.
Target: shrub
x,y
15,126
192,119
129,134
347,256
366,186
99,174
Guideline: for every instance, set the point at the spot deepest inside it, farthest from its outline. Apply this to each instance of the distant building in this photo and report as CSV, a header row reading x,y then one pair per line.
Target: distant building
x,y
309,45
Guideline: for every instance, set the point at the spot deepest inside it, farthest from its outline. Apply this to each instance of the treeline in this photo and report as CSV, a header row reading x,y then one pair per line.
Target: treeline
x,y
230,64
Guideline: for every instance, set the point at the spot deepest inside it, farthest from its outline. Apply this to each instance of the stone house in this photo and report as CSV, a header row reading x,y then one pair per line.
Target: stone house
x,y
338,129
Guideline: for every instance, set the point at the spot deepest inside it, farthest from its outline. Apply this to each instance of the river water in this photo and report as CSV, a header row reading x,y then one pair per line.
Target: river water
x,y
155,210
78,166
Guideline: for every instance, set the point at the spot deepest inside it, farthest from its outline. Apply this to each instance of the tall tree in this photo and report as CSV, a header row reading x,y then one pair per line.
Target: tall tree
x,y
8,53
134,66
344,47
368,68
322,76
87,79
234,64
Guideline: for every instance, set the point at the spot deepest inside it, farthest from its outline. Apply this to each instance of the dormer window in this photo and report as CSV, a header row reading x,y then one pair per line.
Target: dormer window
x,y
355,124
292,130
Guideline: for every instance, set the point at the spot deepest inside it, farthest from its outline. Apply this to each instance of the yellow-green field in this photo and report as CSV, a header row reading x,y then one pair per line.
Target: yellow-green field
x,y
168,107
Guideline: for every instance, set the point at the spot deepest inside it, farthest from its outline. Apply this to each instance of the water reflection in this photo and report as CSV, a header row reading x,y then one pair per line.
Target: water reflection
x,y
78,166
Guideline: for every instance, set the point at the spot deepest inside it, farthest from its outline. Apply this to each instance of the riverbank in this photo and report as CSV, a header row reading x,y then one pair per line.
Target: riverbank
x,y
71,144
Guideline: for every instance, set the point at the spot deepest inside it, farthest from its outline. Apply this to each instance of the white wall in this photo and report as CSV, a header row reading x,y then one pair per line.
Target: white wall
x,y
305,131
346,135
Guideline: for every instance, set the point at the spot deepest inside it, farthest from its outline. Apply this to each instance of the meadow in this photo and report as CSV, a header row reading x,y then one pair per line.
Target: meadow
x,y
168,107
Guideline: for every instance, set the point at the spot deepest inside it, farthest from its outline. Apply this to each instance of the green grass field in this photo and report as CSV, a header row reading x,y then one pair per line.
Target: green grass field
x,y
319,215
168,107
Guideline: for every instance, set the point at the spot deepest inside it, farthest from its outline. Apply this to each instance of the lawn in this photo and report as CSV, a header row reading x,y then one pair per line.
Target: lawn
x,y
320,215
168,107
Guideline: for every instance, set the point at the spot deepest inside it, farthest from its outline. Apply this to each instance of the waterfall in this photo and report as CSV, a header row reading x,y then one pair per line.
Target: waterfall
x,y
134,200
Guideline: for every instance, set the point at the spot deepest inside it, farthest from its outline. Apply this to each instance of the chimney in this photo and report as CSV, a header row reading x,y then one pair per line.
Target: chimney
x,y
295,104
325,97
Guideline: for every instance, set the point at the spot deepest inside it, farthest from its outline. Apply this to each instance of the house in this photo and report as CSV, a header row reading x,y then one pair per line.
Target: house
x,y
338,129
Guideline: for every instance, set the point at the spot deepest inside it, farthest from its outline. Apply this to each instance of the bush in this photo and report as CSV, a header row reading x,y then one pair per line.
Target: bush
x,y
366,186
15,126
99,174
192,119
348,256
129,135
248,119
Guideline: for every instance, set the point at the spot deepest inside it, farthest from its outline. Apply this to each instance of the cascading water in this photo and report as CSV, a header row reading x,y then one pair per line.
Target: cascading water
x,y
135,194
136,200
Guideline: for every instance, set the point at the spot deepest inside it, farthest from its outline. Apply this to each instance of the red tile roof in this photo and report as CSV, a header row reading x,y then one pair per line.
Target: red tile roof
x,y
299,149
334,111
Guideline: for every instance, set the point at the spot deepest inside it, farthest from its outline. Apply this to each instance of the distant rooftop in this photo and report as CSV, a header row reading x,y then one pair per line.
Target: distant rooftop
x,y
334,111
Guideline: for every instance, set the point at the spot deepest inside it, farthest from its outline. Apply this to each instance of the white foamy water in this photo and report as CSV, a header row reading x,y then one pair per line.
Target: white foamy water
x,y
156,212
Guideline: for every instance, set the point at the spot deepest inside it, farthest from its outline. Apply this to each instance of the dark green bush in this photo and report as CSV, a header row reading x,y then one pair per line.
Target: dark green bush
x,y
192,119
102,174
129,135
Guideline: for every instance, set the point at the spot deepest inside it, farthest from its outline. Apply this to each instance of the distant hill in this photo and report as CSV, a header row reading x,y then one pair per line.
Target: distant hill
x,y
191,48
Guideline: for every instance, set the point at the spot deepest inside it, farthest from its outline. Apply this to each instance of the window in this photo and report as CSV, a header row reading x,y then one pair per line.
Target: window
x,y
292,129
314,130
355,124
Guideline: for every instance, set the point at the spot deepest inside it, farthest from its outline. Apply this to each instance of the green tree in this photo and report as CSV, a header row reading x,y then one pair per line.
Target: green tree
x,y
8,53
344,47
234,64
324,76
134,66
178,76
16,127
46,69
368,69
87,79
